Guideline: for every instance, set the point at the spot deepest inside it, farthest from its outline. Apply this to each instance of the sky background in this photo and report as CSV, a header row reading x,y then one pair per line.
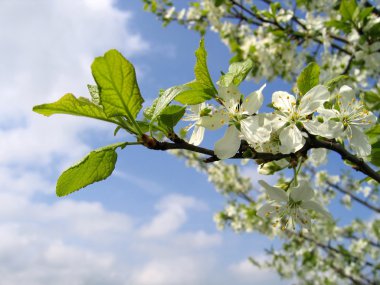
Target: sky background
x,y
151,221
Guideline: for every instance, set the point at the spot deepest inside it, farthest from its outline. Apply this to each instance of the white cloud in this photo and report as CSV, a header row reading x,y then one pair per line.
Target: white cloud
x,y
171,215
198,240
186,271
47,49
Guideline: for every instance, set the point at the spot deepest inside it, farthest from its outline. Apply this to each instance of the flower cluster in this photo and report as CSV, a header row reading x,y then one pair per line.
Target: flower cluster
x,y
287,128
337,118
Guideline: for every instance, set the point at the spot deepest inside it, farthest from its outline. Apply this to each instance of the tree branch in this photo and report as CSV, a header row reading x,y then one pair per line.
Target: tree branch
x,y
263,157
359,163
354,197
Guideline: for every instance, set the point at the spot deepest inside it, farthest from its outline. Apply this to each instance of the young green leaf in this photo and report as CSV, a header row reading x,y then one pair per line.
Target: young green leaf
x,y
375,153
165,99
149,111
119,91
201,72
347,9
94,92
171,115
308,78
71,105
237,72
364,13
218,2
374,134
96,166
331,84
372,100
196,94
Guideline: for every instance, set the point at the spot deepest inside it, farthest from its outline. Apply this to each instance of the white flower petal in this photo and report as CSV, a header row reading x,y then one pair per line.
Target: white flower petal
x,y
303,219
231,97
197,135
283,101
316,128
229,144
274,193
318,156
313,99
312,205
369,119
228,93
253,102
301,192
256,129
328,113
277,121
214,121
291,139
359,142
347,95
328,129
268,210
196,109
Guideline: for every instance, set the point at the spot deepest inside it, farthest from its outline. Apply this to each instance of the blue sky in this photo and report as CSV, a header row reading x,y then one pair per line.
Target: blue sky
x,y
151,222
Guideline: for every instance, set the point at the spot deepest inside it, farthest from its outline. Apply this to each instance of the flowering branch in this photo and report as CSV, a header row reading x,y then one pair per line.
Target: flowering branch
x,y
354,197
292,32
359,163
312,142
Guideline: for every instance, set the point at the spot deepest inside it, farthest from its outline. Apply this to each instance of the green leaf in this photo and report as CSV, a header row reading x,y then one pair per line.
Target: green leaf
x,y
237,72
308,78
201,72
217,3
149,111
196,94
374,31
119,91
366,179
71,105
165,99
374,134
96,166
94,92
274,7
365,12
375,153
372,100
331,84
347,9
171,115
374,139
340,25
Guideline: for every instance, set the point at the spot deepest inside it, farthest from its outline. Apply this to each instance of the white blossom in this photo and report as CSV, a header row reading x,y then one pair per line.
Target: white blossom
x,y
289,115
291,207
195,112
236,115
350,121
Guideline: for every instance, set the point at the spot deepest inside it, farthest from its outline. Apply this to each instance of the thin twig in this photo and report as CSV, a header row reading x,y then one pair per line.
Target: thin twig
x,y
354,197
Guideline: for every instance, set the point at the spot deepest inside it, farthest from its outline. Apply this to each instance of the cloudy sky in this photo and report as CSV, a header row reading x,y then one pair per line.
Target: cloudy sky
x,y
141,226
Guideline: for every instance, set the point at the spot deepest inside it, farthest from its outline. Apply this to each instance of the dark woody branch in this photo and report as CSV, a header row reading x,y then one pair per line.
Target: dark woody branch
x,y
358,163
261,157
